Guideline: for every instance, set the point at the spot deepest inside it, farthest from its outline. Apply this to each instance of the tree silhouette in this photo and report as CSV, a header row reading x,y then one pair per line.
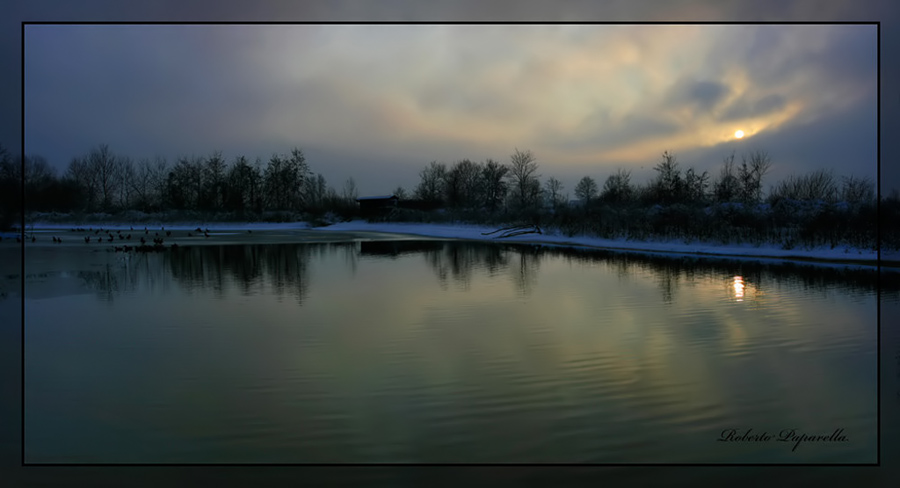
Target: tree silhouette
x,y
586,189
522,174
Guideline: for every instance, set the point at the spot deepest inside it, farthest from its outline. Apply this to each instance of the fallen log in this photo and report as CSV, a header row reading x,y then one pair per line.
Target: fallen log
x,y
514,227
527,229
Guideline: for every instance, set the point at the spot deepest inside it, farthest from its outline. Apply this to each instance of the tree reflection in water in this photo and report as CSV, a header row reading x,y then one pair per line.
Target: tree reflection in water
x,y
283,269
251,269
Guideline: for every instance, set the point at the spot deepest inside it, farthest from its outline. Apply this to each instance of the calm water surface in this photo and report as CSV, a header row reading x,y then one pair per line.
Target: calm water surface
x,y
442,351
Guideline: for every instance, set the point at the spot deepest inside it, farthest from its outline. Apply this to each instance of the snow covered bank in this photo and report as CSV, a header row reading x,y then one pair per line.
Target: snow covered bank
x,y
846,255
860,256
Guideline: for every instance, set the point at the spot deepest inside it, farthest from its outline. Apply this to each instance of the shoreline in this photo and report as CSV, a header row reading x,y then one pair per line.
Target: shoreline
x,y
824,257
821,256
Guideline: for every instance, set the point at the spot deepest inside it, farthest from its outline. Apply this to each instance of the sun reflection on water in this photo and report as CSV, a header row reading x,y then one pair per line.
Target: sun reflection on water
x,y
738,288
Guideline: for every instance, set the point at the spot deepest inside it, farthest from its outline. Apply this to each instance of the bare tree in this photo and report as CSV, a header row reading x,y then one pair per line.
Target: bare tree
x,y
695,185
274,185
79,172
315,190
857,190
102,176
727,188
159,172
617,187
461,184
124,174
535,193
750,174
586,189
553,191
321,188
818,185
400,193
106,170
350,193
37,170
760,162
257,195
284,177
669,185
141,185
214,181
297,172
243,181
522,174
493,186
184,185
431,186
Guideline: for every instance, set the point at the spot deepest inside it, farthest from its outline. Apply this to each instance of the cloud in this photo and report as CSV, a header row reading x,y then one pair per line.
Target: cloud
x,y
603,131
575,94
798,147
747,107
701,96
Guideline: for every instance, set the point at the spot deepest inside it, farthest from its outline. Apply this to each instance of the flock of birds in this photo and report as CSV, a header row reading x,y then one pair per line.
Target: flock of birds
x,y
100,236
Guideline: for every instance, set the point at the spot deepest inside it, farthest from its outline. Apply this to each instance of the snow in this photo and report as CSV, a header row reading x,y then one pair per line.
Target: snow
x,y
866,257
461,231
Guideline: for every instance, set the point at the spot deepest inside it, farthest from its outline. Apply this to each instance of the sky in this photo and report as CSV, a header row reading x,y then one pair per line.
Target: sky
x,y
379,102
14,12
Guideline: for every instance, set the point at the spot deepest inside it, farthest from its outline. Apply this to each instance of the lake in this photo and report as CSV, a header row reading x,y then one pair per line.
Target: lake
x,y
378,350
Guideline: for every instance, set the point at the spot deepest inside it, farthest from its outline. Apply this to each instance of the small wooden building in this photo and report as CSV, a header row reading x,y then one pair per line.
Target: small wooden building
x,y
377,204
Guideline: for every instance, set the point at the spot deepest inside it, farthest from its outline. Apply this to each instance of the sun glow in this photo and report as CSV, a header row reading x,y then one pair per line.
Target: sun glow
x,y
738,285
739,134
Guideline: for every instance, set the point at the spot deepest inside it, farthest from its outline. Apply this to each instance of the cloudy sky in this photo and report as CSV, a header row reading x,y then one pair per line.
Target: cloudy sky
x,y
378,102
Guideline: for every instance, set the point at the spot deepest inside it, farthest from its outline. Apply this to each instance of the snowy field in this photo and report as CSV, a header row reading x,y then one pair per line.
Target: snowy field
x,y
462,231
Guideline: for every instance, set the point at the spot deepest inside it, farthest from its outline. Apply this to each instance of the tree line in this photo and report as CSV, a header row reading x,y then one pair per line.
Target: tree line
x,y
810,210
492,186
102,181
677,202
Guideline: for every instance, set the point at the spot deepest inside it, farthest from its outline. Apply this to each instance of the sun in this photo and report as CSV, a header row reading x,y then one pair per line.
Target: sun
x,y
739,134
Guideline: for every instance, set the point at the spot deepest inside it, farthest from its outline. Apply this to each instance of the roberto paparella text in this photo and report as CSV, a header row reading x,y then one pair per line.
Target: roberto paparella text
x,y
787,435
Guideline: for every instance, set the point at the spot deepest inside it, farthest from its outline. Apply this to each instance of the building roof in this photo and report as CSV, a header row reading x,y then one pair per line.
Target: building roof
x,y
381,197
